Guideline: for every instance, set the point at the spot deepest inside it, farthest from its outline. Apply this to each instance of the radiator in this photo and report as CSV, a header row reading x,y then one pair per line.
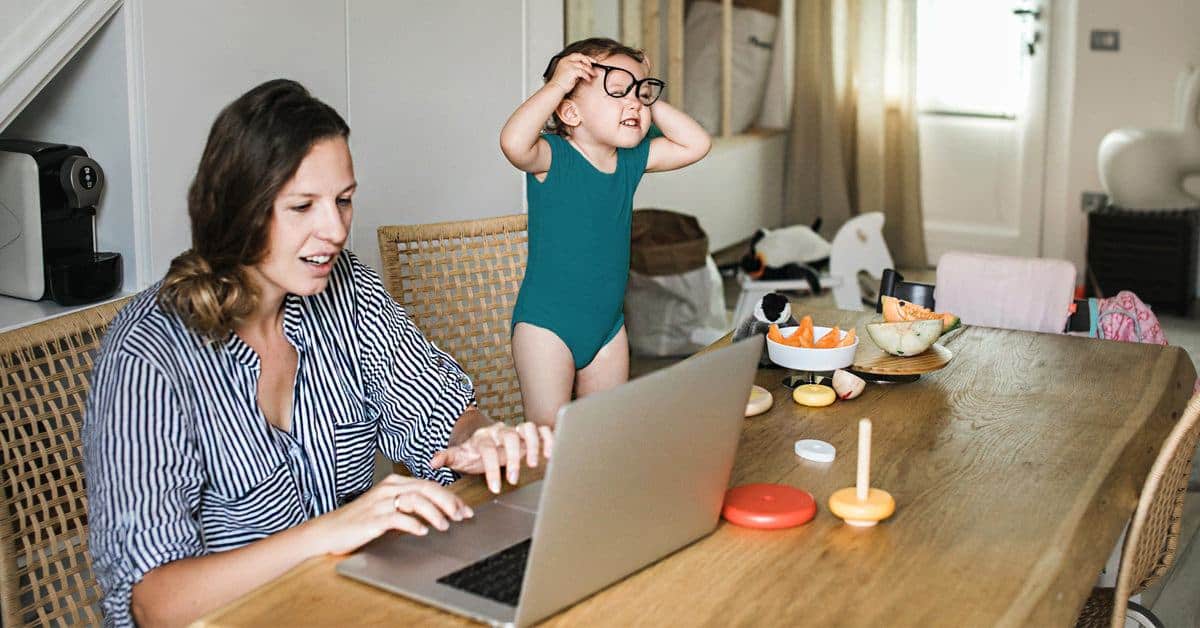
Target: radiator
x,y
1150,252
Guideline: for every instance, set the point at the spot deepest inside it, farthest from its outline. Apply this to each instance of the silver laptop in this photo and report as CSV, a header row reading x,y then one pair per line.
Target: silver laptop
x,y
638,472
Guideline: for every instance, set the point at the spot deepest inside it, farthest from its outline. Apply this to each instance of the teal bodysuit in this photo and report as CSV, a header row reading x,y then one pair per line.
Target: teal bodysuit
x,y
578,266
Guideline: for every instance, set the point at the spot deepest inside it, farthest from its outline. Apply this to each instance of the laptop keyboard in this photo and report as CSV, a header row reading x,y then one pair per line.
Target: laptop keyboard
x,y
496,577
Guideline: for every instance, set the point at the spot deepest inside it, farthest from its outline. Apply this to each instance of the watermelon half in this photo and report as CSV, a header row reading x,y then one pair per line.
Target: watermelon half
x,y
906,338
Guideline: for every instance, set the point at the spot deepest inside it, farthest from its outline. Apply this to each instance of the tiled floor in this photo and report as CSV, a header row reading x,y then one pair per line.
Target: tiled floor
x,y
1176,598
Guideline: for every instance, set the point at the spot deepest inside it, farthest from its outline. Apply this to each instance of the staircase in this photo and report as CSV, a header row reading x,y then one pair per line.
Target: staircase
x,y
38,37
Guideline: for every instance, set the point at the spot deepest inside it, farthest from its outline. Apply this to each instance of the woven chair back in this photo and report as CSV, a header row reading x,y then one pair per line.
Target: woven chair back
x,y
1153,537
45,373
458,281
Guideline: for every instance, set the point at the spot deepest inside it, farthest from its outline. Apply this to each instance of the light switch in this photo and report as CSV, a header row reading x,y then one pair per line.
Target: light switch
x,y
1106,40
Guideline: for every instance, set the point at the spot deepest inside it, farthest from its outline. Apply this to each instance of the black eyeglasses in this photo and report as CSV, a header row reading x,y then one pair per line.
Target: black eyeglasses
x,y
619,81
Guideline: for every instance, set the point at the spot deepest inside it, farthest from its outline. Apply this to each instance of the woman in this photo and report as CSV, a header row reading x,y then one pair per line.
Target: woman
x,y
237,405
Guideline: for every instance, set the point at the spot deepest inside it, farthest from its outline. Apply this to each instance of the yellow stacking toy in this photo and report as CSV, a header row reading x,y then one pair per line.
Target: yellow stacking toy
x,y
861,505
814,395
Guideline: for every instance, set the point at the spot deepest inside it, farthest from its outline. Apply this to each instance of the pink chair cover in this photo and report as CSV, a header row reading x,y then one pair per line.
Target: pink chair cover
x,y
1026,293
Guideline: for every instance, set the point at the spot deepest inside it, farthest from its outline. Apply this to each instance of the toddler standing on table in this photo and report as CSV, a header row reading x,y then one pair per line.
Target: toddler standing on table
x,y
583,168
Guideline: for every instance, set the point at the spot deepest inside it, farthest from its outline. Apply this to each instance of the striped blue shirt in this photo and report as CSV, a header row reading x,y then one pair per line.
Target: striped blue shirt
x,y
181,462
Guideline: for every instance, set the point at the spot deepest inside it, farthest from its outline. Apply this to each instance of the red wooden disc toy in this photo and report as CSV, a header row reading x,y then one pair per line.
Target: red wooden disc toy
x,y
768,506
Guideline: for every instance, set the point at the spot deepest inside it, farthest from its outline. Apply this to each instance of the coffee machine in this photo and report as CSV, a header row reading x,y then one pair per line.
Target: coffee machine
x,y
48,196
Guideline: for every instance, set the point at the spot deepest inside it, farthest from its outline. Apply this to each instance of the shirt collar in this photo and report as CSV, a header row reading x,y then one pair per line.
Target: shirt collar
x,y
293,329
293,321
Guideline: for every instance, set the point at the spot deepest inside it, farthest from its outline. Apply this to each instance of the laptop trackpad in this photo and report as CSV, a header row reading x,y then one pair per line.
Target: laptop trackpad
x,y
494,527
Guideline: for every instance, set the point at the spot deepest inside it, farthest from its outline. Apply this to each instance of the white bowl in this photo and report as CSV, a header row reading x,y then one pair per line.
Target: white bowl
x,y
802,359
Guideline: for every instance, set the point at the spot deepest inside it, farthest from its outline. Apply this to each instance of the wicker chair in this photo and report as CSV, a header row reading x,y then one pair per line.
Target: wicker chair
x,y
459,282
1153,535
45,568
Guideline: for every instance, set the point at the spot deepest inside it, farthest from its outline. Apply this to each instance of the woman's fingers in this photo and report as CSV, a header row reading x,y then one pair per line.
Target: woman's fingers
x,y
418,504
406,523
491,464
398,485
529,435
512,454
547,439
448,502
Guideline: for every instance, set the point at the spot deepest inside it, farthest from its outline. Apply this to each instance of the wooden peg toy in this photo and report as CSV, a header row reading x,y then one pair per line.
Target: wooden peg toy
x,y
860,505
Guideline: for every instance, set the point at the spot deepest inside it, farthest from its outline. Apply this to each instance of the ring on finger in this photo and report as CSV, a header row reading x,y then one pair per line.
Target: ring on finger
x,y
396,503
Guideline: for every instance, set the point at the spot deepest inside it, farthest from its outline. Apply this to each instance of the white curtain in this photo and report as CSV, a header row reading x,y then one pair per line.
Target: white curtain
x,y
853,140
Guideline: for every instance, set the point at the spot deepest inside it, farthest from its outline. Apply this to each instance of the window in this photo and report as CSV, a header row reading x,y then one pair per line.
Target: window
x,y
969,58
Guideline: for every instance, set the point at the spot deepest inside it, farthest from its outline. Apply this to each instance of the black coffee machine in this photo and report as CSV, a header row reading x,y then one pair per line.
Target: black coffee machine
x,y
67,187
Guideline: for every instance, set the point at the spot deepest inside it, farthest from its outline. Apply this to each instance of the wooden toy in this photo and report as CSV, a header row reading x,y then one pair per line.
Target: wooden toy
x,y
760,401
814,395
861,505
768,506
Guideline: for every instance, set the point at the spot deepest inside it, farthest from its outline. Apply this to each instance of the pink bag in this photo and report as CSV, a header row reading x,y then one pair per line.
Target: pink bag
x,y
1126,318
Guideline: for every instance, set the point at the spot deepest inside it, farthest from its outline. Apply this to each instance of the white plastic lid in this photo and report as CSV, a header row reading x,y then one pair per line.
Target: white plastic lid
x,y
815,450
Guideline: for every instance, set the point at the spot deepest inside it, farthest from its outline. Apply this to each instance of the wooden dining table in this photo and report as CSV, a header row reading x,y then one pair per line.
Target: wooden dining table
x,y
1014,470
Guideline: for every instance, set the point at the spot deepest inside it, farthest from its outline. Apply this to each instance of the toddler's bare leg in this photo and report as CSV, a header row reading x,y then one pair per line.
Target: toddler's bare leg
x,y
545,369
609,369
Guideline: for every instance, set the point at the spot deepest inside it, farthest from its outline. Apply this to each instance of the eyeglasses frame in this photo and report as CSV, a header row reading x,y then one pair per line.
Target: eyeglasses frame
x,y
637,83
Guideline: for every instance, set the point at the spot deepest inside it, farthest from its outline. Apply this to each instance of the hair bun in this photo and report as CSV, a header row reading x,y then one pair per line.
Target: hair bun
x,y
210,301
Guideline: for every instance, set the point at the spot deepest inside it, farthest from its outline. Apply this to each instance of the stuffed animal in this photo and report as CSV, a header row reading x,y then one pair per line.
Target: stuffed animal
x,y
787,253
772,308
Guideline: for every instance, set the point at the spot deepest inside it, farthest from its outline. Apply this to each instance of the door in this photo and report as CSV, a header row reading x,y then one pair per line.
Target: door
x,y
981,90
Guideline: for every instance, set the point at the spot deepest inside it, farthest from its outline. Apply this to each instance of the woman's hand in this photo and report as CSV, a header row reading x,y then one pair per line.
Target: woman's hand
x,y
571,69
396,503
496,445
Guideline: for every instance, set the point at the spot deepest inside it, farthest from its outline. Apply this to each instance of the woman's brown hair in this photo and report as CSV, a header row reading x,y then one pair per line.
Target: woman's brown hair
x,y
596,48
254,147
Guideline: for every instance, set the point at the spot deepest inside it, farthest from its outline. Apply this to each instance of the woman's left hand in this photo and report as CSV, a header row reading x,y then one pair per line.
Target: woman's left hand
x,y
494,446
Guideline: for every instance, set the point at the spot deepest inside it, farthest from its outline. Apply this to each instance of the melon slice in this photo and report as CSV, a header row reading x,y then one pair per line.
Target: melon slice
x,y
895,311
907,338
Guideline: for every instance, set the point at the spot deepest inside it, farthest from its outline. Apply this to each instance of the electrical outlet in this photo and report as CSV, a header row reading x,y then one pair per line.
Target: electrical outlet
x,y
1093,201
1106,40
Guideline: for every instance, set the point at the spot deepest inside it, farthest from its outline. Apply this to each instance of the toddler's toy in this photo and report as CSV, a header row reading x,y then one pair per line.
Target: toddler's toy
x,y
760,401
814,395
771,310
768,506
847,385
787,253
815,450
860,505
1145,168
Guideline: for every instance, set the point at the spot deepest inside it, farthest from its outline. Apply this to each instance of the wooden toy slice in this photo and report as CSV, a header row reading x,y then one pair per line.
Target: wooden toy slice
x,y
760,401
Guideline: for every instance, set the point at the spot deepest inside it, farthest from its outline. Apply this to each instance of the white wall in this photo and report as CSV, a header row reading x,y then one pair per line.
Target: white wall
x,y
199,56
733,191
426,108
425,87
86,105
1094,92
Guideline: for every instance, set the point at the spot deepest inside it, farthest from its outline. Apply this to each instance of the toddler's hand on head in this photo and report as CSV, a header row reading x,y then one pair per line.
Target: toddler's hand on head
x,y
571,69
